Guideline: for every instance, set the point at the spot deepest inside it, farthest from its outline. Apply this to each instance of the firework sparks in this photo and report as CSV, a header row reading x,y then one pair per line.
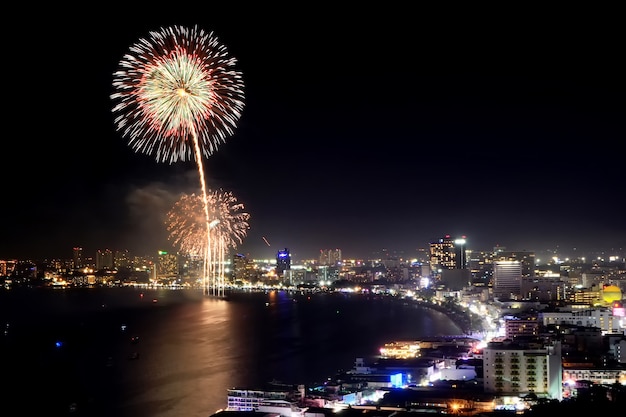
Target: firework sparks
x,y
178,95
176,88
231,223
186,225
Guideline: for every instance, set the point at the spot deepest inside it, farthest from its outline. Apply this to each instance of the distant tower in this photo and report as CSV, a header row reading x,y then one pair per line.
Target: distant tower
x,y
77,253
442,254
104,259
243,268
448,253
167,266
461,254
330,257
283,261
448,262
526,258
507,280
121,259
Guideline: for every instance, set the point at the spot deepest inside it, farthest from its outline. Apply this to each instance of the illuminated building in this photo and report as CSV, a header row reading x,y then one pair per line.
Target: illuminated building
x,y
104,259
167,266
600,317
330,257
525,258
7,267
121,259
243,268
521,326
617,346
518,369
585,296
283,261
544,288
442,254
507,276
400,349
448,262
600,376
240,399
460,252
77,253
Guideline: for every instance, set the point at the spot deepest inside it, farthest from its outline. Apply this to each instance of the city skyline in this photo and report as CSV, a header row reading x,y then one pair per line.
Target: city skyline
x,y
383,129
556,255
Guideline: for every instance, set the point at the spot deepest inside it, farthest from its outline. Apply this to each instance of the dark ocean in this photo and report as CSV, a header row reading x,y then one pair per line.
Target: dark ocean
x,y
142,352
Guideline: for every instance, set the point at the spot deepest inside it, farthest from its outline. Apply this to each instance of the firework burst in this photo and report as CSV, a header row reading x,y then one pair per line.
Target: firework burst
x,y
187,230
186,225
178,95
176,87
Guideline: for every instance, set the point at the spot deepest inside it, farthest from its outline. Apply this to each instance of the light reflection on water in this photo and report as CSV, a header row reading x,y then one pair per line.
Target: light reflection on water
x,y
192,348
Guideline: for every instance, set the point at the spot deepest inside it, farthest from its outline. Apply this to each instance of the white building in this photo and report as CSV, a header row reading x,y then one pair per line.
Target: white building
x,y
251,399
515,369
601,318
282,407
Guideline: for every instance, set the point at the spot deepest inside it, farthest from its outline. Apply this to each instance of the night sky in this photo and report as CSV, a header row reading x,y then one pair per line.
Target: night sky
x,y
364,130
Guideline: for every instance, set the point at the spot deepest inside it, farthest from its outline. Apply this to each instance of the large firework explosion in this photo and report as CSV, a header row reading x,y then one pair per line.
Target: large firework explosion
x,y
178,95
177,90
186,225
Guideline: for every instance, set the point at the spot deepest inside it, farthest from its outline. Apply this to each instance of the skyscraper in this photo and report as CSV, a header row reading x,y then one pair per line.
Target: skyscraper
x,y
526,258
442,255
283,261
330,257
167,266
507,280
448,263
104,259
77,256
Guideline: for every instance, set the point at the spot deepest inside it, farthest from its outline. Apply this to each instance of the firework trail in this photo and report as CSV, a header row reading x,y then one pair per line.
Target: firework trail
x,y
177,96
229,227
186,225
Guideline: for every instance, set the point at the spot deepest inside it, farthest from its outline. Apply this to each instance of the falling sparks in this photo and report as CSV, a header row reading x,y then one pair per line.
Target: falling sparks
x,y
186,226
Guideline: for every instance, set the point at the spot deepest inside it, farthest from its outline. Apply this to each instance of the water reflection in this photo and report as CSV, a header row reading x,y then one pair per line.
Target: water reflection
x,y
126,355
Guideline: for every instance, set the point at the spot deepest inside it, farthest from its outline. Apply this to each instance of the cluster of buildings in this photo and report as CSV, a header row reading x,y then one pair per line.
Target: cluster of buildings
x,y
538,352
549,330
446,263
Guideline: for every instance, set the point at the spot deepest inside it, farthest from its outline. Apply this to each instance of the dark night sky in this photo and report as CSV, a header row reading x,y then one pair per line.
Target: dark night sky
x,y
363,129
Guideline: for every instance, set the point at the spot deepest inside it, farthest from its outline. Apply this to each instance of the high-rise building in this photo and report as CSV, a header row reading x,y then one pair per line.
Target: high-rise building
x,y
507,280
122,260
77,253
330,257
243,268
517,369
526,259
283,261
7,267
104,259
546,288
448,262
442,254
460,253
167,266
